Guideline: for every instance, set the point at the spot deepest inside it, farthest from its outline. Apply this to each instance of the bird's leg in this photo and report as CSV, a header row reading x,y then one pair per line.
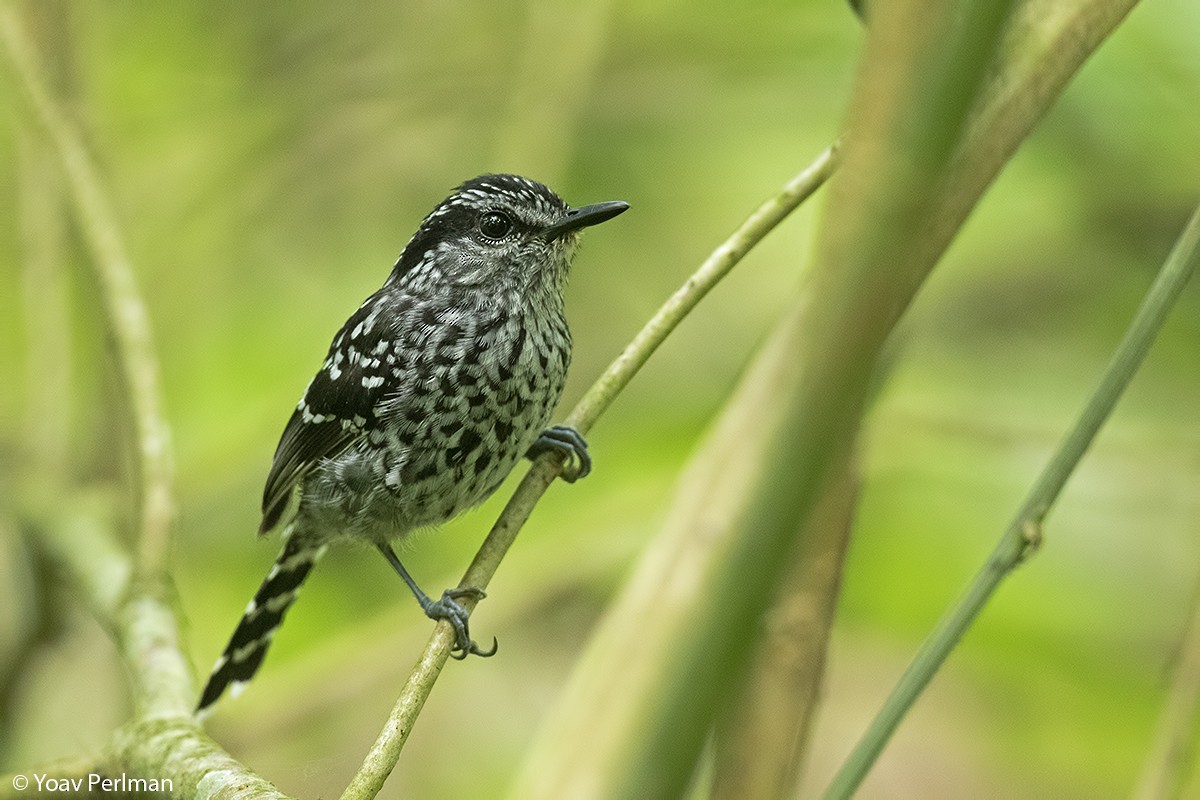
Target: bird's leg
x,y
447,608
567,440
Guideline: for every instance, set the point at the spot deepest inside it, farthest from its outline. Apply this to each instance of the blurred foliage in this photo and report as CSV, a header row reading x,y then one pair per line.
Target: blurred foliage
x,y
269,162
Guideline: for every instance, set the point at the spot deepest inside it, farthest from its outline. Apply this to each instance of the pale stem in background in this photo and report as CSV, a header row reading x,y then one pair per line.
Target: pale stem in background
x,y
127,596
125,311
760,744
1165,772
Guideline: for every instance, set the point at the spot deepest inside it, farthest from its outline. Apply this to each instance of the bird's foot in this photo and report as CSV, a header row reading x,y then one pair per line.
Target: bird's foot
x,y
449,609
570,442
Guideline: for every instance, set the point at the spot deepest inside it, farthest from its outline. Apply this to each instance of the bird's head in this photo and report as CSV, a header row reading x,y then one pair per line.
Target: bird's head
x,y
500,230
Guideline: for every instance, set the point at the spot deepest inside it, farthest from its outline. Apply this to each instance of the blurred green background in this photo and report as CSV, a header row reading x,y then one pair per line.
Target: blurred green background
x,y
268,163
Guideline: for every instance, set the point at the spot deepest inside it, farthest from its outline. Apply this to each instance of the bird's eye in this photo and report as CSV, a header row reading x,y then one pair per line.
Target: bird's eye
x,y
495,225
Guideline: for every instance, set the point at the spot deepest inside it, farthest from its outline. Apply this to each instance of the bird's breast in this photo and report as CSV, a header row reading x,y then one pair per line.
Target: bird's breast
x,y
472,396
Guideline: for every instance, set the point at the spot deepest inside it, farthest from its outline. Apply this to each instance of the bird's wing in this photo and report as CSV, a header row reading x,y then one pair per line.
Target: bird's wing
x,y
337,409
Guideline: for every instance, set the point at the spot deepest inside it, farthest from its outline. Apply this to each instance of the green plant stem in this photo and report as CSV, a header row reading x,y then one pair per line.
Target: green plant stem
x,y
384,754
674,644
125,312
760,741
1024,533
1169,758
764,219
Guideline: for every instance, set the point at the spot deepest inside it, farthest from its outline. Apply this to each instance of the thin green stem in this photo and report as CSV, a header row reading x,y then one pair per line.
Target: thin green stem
x,y
386,751
764,219
1169,758
1024,533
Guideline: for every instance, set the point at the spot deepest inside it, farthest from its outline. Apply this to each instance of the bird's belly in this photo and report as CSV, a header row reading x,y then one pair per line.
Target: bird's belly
x,y
432,466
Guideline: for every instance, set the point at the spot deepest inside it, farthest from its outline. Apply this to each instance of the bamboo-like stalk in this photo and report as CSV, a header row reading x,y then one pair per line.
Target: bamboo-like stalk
x,y
147,627
1024,534
386,751
761,741
933,120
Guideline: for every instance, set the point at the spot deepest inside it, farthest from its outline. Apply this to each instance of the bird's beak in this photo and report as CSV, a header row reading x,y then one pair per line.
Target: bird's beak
x,y
578,218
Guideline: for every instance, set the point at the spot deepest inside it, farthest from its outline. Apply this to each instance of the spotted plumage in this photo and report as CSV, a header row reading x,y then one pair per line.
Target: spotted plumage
x,y
430,394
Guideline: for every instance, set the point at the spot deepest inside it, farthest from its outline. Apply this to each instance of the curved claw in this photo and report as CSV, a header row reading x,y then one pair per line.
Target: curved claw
x,y
450,610
458,654
570,442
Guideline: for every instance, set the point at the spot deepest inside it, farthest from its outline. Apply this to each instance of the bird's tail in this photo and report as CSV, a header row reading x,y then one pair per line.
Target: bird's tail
x,y
248,645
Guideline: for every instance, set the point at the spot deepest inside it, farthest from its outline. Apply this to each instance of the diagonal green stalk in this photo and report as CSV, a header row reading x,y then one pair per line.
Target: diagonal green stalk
x,y
385,752
1024,533
634,716
764,220
675,643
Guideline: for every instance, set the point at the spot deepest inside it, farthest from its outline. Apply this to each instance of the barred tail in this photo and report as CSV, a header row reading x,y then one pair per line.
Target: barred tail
x,y
248,645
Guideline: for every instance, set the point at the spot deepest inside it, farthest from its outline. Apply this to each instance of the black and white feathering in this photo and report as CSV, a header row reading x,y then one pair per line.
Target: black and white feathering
x,y
431,393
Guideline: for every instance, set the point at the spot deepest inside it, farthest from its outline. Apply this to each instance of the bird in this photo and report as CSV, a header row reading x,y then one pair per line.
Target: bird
x,y
430,394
